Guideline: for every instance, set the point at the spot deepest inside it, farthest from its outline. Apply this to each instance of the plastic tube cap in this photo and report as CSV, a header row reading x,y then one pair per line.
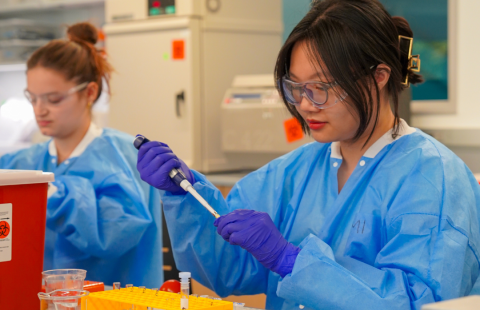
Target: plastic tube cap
x,y
184,276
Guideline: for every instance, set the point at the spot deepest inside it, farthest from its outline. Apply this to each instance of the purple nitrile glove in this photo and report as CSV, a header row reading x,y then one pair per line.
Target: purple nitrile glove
x,y
255,232
155,161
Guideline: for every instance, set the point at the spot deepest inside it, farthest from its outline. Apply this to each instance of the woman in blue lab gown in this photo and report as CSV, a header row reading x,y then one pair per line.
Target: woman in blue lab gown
x,y
373,215
100,216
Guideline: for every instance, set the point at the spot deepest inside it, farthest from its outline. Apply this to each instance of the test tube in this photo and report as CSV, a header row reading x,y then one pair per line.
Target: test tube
x,y
184,289
130,286
238,306
116,285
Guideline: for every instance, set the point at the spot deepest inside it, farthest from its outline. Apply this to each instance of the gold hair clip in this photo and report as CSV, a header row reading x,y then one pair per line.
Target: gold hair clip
x,y
413,60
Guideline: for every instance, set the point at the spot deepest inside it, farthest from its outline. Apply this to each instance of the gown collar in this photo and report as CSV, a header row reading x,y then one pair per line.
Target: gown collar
x,y
384,140
93,132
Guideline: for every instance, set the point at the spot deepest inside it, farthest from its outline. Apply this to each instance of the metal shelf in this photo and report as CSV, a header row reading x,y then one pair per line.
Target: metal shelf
x,y
19,42
13,67
48,5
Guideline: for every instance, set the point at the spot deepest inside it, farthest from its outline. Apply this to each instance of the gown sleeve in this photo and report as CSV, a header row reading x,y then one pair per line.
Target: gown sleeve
x,y
225,268
103,221
429,253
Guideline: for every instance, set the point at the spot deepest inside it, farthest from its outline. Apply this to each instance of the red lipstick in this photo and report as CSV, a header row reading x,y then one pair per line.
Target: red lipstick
x,y
315,125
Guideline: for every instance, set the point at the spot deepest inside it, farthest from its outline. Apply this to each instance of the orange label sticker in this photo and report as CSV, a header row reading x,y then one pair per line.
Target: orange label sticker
x,y
4,229
178,49
293,130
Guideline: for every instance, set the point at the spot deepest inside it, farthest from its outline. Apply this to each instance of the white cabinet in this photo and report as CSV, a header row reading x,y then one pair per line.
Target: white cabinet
x,y
220,39
154,94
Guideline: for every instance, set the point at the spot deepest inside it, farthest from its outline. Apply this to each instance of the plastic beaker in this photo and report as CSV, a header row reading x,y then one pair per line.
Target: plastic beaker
x,y
62,299
63,279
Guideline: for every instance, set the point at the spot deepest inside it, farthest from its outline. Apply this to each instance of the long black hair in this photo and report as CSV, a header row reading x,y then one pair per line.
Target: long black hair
x,y
350,38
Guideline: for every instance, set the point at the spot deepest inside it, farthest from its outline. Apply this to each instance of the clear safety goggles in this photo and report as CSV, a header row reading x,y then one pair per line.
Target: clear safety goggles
x,y
316,92
55,98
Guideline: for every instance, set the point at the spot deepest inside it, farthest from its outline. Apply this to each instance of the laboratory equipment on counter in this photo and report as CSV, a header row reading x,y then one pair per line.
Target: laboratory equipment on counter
x,y
464,303
62,299
116,299
23,194
185,289
256,125
173,69
257,128
179,178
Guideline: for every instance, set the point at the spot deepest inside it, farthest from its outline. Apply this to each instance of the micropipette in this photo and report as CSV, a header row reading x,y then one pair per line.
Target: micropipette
x,y
179,178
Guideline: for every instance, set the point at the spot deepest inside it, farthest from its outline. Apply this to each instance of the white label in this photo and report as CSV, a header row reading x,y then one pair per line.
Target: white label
x,y
5,232
184,303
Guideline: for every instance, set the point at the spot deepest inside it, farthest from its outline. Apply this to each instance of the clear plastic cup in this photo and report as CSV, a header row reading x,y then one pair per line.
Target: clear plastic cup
x,y
63,279
62,299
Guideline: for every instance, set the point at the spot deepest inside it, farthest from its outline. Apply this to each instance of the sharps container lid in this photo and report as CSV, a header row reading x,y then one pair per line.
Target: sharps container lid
x,y
19,177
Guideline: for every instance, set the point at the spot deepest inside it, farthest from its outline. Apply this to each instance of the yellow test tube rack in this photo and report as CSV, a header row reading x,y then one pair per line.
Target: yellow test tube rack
x,y
135,298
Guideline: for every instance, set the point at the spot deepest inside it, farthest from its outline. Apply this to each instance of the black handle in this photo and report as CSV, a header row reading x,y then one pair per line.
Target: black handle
x,y
139,141
180,98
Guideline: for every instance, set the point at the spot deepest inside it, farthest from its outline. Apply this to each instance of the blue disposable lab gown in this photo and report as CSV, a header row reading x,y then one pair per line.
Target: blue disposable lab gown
x,y
403,232
102,218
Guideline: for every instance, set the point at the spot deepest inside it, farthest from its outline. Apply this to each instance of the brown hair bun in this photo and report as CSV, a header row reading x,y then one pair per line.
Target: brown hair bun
x,y
83,32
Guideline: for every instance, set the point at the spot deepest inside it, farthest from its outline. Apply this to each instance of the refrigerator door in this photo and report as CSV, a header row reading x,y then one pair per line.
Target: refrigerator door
x,y
152,87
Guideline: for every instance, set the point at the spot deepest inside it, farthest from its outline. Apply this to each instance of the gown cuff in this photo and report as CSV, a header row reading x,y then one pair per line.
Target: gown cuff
x,y
312,250
287,261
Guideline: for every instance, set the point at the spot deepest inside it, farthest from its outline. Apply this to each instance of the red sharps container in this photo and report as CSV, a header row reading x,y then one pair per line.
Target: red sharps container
x,y
23,206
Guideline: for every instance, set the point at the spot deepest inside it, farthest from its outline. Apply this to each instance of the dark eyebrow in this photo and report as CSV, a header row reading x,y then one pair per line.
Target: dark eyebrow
x,y
310,78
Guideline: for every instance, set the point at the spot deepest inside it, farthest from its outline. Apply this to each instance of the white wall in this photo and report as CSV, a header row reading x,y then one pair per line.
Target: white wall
x,y
467,85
